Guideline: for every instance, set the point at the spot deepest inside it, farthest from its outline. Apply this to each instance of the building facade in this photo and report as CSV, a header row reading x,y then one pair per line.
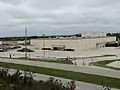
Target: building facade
x,y
8,42
77,44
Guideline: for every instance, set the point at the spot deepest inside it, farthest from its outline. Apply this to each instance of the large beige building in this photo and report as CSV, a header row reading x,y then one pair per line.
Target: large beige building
x,y
81,43
8,42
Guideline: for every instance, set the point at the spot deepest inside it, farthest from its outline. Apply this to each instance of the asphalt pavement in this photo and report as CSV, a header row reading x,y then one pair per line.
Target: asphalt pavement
x,y
67,67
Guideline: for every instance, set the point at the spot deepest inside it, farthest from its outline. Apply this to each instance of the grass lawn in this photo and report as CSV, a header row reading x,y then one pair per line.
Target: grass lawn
x,y
101,56
62,61
104,63
89,78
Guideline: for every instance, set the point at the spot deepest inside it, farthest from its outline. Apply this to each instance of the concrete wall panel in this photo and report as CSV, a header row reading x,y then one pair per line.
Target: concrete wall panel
x,y
77,44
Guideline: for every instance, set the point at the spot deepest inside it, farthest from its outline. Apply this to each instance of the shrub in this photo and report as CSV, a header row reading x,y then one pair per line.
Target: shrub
x,y
25,81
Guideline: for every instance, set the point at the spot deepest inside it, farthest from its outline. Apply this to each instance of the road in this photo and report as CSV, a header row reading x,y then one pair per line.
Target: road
x,y
83,69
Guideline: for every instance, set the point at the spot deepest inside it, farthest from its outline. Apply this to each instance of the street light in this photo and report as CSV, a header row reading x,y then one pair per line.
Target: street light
x,y
26,42
44,45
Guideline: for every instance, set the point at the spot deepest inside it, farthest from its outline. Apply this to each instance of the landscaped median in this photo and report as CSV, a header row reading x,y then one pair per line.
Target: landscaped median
x,y
89,78
104,64
62,60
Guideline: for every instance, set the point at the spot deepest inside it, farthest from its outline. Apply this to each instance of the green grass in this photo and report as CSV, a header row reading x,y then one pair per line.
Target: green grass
x,y
104,63
62,61
97,56
101,56
89,78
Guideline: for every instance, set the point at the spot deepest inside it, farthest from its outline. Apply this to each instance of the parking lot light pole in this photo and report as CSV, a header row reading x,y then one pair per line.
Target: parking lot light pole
x,y
44,45
26,42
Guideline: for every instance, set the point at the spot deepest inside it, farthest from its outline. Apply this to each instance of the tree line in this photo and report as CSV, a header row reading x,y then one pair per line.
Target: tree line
x,y
114,34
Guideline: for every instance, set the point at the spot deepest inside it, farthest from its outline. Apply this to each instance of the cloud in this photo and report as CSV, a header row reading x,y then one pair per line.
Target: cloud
x,y
55,16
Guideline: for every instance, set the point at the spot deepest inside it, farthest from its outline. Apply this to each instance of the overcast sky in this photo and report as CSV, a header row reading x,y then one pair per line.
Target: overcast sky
x,y
58,16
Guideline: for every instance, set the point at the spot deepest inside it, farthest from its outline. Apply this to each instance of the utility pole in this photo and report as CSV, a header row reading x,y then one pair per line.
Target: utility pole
x,y
44,45
26,42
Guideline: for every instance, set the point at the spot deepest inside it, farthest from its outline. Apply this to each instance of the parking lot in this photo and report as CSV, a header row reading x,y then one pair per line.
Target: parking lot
x,y
115,52
4,48
86,56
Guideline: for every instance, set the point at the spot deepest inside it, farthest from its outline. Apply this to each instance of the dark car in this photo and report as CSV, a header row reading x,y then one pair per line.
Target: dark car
x,y
46,49
2,50
69,50
25,49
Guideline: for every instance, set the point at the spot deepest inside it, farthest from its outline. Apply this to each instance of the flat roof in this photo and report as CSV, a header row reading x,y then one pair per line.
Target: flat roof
x,y
71,38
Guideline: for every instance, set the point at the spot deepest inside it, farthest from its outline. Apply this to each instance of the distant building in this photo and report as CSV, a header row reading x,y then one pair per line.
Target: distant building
x,y
93,34
86,42
8,42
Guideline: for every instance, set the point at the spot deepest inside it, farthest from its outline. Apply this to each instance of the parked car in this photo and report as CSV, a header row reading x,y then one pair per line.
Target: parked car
x,y
69,50
25,49
46,49
2,50
15,46
8,47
